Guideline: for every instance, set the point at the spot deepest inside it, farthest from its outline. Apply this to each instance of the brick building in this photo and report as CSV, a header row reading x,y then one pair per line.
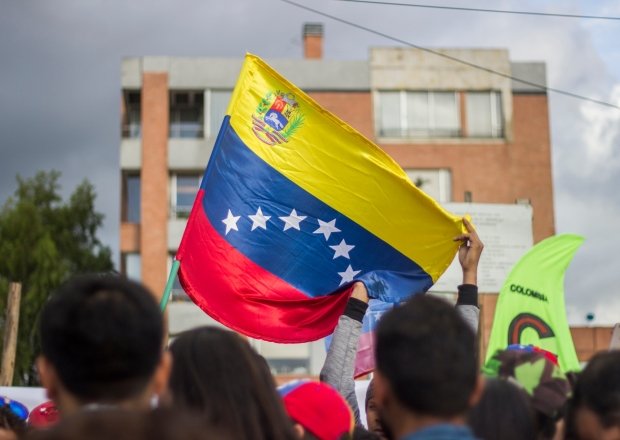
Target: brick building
x,y
460,133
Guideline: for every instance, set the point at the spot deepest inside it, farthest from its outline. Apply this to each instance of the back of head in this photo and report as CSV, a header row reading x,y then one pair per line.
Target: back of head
x,y
426,352
104,336
217,373
596,398
504,412
319,409
160,424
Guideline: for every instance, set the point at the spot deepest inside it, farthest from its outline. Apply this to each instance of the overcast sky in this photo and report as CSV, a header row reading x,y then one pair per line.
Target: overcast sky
x,y
60,92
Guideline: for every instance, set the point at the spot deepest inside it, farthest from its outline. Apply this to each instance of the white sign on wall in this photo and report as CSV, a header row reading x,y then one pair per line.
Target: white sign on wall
x,y
505,230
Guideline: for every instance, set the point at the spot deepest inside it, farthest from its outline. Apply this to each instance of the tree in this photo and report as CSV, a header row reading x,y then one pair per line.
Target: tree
x,y
44,241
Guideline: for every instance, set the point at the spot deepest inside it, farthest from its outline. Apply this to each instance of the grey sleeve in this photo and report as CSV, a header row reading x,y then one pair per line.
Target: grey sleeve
x,y
340,361
470,314
467,305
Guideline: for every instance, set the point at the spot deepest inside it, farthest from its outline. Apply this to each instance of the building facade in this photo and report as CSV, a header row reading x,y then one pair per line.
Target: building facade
x,y
462,134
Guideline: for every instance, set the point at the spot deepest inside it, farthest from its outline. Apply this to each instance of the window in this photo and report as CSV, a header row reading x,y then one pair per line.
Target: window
x,y
435,183
186,114
484,115
131,118
418,114
131,198
131,266
183,191
218,101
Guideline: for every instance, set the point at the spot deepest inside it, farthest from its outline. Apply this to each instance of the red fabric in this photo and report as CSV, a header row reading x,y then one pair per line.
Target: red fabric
x,y
245,297
44,415
320,409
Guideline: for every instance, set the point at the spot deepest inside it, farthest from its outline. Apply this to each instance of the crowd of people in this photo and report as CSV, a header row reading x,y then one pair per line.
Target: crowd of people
x,y
108,369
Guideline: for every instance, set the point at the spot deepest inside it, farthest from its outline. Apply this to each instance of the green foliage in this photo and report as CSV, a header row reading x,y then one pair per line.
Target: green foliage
x,y
43,241
264,104
294,125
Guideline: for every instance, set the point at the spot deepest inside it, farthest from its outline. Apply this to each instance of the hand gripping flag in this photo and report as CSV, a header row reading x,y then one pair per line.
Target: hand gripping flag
x,y
293,207
530,308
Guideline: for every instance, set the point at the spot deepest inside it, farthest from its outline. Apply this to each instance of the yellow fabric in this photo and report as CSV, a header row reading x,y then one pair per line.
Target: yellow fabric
x,y
339,166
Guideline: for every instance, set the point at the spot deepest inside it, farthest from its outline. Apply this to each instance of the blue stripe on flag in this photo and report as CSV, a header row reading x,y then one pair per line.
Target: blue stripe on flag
x,y
316,258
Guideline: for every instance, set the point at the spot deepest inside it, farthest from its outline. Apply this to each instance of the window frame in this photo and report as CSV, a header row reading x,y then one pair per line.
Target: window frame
x,y
404,129
174,109
497,120
130,108
174,212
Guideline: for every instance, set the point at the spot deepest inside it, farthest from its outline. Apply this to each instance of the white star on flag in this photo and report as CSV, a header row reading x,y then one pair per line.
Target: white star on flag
x,y
348,275
326,228
259,220
342,250
292,221
231,222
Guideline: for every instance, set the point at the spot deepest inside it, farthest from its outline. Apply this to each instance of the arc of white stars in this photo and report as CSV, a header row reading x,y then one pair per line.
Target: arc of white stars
x,y
259,220
348,275
326,228
231,222
342,249
292,220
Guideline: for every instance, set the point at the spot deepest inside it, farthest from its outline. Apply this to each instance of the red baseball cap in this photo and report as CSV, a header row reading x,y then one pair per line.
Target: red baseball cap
x,y
319,408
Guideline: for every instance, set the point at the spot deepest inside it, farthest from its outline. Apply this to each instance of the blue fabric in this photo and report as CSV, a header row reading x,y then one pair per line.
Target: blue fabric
x,y
442,432
239,182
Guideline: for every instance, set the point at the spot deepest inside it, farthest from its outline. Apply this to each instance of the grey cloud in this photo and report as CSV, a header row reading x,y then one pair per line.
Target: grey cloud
x,y
60,74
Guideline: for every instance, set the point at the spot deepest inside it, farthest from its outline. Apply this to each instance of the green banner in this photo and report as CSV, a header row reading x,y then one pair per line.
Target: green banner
x,y
530,308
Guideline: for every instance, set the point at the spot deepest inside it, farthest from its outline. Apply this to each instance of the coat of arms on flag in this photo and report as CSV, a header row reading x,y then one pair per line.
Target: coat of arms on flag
x,y
277,117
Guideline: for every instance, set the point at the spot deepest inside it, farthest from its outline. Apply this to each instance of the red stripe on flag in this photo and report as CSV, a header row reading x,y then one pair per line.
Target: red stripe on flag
x,y
245,297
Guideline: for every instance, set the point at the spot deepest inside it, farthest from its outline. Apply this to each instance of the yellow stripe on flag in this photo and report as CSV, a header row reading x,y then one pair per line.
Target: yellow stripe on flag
x,y
335,163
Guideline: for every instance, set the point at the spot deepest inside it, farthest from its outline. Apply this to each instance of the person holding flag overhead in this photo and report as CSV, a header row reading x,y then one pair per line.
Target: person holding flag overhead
x,y
339,366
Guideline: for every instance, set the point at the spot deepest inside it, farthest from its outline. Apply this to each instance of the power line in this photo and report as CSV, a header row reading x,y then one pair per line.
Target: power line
x,y
455,59
498,11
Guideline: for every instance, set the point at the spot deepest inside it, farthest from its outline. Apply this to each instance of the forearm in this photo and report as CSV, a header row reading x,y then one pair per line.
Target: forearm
x,y
340,360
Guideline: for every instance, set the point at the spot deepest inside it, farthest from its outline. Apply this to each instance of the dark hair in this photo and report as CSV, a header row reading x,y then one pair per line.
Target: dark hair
x,y
216,372
360,433
598,389
427,354
503,412
103,335
117,424
11,421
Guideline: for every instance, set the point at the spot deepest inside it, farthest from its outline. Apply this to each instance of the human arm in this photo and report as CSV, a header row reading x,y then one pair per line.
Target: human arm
x,y
469,257
339,364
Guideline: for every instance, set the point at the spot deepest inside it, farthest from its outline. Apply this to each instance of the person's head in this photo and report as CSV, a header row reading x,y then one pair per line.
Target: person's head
x,y
159,424
425,363
102,343
373,417
318,410
543,381
504,412
594,409
218,374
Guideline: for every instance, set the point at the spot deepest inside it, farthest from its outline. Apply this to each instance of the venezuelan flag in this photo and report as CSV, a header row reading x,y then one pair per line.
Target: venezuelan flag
x,y
294,206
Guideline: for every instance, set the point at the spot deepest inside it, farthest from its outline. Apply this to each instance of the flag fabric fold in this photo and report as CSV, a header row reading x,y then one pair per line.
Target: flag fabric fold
x,y
294,206
530,308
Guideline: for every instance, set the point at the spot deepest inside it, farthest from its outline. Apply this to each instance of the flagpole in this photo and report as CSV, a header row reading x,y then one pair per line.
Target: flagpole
x,y
173,273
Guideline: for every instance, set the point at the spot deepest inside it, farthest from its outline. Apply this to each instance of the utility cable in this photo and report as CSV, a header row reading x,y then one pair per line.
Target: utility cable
x,y
452,58
498,11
